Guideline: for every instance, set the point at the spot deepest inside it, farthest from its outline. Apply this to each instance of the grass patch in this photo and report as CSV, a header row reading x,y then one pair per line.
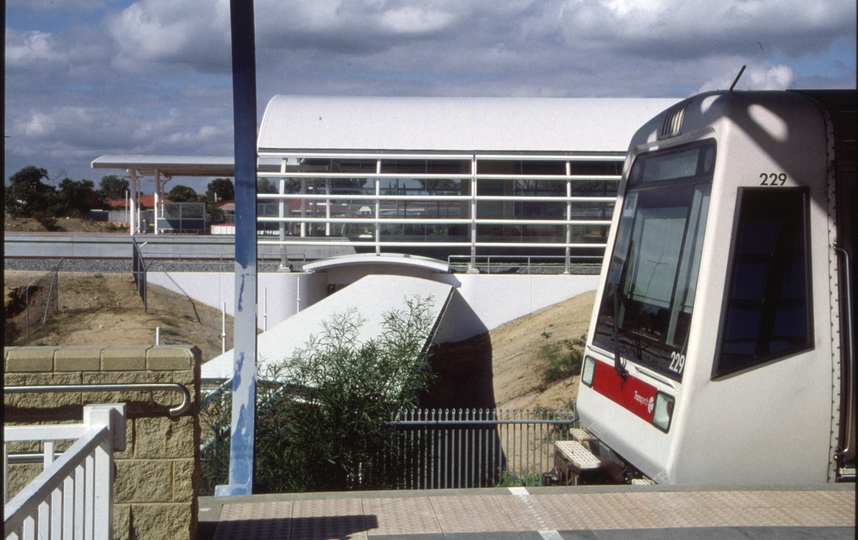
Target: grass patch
x,y
165,320
561,359
529,479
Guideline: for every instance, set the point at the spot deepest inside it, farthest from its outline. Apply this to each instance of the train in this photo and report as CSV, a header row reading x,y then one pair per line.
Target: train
x,y
721,348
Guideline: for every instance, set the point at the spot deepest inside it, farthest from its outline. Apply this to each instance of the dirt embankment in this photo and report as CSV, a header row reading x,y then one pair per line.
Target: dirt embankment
x,y
105,309
63,224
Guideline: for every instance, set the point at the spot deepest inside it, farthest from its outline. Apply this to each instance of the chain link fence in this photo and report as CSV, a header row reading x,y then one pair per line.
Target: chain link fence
x,y
32,305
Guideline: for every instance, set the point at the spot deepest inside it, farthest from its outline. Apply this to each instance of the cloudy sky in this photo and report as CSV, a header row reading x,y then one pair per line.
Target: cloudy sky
x,y
91,77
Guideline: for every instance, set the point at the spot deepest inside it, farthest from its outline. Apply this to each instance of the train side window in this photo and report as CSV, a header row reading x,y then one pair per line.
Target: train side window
x,y
767,309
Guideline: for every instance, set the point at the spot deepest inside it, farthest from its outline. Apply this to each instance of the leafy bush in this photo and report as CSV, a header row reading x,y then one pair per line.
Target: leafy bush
x,y
323,426
561,359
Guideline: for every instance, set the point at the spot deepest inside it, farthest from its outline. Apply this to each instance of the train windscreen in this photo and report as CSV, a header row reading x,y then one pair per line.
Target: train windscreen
x,y
646,306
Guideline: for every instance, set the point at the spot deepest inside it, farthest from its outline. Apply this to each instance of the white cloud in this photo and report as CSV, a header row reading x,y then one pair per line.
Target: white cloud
x,y
676,28
415,20
23,48
778,77
153,76
60,6
194,32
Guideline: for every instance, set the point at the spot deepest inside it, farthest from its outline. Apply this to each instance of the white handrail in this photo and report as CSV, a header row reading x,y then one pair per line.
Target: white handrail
x,y
73,496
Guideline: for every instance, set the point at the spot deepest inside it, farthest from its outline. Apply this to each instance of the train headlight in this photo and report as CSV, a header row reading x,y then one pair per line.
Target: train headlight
x,y
663,412
589,369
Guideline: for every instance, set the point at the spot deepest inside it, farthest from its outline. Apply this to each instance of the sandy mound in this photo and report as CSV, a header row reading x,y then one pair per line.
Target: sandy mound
x,y
105,309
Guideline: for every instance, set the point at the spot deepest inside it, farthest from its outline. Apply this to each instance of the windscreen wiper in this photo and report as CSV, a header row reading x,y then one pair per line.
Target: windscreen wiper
x,y
619,363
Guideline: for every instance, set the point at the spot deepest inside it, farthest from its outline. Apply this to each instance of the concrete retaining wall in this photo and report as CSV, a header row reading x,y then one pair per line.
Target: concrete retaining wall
x,y
481,302
157,476
170,246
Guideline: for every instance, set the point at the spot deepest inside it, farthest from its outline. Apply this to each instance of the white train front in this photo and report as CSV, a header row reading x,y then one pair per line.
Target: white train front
x,y
720,350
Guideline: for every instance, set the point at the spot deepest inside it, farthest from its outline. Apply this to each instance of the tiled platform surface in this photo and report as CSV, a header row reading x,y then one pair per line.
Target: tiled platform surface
x,y
615,512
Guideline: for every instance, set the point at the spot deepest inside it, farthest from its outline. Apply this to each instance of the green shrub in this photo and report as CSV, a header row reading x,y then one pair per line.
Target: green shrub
x,y
562,359
324,422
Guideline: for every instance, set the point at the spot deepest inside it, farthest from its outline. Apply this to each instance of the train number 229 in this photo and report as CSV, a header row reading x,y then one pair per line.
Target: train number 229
x,y
677,362
773,179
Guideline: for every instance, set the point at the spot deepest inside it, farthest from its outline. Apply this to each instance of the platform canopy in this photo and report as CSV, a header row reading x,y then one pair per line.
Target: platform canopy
x,y
168,166
161,169
443,124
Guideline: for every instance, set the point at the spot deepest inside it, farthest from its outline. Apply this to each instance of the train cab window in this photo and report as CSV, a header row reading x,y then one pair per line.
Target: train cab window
x,y
767,309
646,306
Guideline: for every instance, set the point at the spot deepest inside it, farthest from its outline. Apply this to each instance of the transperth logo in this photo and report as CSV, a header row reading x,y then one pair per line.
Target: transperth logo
x,y
649,403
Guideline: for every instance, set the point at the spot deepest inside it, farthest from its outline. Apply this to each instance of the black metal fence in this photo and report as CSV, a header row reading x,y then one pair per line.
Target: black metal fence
x,y
469,448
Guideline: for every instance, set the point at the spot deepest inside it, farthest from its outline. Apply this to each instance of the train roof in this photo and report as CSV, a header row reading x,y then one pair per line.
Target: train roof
x,y
443,124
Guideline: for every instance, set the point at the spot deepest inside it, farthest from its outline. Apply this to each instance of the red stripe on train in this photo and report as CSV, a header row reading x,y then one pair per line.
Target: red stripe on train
x,y
634,395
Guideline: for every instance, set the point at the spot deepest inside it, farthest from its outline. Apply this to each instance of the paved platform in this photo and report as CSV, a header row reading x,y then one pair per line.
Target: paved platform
x,y
590,512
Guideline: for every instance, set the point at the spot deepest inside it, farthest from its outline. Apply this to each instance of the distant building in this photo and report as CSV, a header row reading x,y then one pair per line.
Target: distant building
x,y
447,176
441,177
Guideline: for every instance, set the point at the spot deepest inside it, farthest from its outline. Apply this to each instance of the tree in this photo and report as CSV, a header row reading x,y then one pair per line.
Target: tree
x,y
27,195
77,197
223,188
181,193
113,187
264,185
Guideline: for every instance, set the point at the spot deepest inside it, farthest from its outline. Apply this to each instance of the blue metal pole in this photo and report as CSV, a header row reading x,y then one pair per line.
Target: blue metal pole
x,y
244,370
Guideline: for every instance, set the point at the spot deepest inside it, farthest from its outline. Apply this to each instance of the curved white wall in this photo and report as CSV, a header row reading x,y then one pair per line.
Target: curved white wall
x,y
480,303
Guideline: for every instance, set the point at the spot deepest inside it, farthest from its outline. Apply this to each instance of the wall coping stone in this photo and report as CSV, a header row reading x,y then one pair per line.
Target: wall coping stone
x,y
80,358
30,359
170,357
124,358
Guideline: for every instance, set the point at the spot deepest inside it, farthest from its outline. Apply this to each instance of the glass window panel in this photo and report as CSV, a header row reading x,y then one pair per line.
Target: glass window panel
x,y
767,309
597,168
193,210
658,239
649,294
172,210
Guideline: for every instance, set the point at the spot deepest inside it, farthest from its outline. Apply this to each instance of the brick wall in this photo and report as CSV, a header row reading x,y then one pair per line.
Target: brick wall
x,y
158,474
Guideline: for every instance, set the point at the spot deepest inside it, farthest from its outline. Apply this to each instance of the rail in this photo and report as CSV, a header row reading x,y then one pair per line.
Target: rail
x,y
73,496
847,435
175,411
529,263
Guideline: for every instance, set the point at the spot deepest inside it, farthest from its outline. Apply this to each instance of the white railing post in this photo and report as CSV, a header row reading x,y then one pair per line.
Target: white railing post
x,y
102,494
73,496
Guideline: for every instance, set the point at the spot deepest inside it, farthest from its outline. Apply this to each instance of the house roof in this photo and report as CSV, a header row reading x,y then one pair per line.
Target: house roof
x,y
145,200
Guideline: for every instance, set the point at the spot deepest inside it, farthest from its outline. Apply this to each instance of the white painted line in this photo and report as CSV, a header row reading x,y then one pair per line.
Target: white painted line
x,y
519,491
550,535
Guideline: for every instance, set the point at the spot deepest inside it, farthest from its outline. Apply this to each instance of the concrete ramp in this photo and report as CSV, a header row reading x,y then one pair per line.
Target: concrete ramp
x,y
372,297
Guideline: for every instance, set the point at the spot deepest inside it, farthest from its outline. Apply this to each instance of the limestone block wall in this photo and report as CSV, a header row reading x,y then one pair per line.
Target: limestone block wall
x,y
158,474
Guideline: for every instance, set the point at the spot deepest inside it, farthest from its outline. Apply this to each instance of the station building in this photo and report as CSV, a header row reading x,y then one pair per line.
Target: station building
x,y
447,178
446,189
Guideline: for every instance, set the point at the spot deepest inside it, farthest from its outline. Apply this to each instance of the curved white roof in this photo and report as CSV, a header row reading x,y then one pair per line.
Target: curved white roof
x,y
384,258
454,124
